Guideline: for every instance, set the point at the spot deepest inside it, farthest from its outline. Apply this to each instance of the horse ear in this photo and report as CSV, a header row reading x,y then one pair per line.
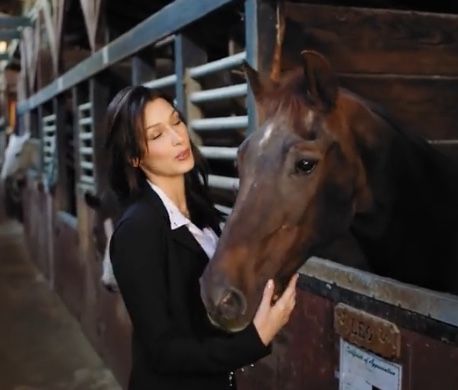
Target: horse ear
x,y
321,81
254,80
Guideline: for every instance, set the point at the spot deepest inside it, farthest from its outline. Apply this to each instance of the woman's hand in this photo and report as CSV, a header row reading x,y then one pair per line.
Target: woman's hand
x,y
269,319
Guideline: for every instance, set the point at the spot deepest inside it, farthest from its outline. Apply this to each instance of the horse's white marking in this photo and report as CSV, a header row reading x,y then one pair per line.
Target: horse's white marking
x,y
309,119
108,279
15,160
267,134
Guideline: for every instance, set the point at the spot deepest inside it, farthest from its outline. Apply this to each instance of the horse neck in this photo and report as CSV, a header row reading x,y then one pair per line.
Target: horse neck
x,y
412,178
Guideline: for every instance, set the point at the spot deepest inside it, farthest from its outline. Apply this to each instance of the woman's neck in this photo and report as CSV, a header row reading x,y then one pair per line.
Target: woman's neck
x,y
174,188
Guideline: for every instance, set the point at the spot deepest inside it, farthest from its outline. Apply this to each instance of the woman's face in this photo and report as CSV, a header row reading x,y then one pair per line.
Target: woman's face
x,y
168,152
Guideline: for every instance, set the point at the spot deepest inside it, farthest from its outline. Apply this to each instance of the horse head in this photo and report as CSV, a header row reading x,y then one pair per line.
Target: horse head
x,y
302,181
106,210
21,153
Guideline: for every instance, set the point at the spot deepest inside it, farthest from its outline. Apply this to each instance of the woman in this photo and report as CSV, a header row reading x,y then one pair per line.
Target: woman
x,y
160,247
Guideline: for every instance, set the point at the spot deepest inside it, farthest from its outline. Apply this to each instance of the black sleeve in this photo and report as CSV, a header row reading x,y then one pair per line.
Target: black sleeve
x,y
138,255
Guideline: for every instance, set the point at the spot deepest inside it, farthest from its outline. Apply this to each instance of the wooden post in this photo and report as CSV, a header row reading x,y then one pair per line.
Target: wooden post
x,y
99,93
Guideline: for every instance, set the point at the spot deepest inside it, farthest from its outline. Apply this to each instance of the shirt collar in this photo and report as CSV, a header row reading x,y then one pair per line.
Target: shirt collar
x,y
176,217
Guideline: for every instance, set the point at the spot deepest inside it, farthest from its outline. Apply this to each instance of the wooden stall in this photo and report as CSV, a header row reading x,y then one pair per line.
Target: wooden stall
x,y
76,54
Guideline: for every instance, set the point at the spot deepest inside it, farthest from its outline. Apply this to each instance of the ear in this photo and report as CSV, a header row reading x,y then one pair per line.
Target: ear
x,y
321,81
254,80
93,201
135,162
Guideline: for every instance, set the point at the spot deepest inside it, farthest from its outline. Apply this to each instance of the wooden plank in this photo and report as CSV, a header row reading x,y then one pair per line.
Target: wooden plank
x,y
58,18
425,105
45,10
91,12
152,29
374,41
99,94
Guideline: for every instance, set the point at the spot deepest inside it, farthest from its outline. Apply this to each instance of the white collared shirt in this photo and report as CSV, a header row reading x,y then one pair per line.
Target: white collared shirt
x,y
207,238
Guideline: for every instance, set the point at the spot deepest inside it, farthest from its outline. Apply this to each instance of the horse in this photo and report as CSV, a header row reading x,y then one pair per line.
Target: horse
x,y
107,211
21,153
329,174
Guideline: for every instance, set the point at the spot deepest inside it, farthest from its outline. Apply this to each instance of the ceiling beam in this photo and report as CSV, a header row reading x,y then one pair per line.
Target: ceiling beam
x,y
9,35
14,21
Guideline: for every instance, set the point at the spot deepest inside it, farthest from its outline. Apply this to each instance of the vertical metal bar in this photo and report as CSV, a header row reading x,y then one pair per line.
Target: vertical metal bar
x,y
187,55
141,70
260,39
251,49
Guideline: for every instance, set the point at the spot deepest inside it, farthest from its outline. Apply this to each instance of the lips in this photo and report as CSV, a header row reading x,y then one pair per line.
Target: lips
x,y
184,155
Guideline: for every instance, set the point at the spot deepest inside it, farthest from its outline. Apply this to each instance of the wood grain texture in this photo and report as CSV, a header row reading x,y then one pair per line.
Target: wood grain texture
x,y
361,40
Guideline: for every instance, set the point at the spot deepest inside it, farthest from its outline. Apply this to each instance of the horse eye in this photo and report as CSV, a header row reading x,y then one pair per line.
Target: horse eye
x,y
17,154
304,166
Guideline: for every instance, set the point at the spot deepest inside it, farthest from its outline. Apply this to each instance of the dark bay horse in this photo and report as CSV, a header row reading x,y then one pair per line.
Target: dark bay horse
x,y
327,174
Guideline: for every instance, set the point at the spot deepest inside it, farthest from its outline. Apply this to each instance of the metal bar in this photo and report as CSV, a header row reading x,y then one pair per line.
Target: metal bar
x,y
219,93
215,66
87,165
49,129
49,118
87,179
86,150
251,47
162,82
85,121
223,182
440,306
219,152
85,106
9,35
173,17
230,122
86,136
14,21
164,42
224,209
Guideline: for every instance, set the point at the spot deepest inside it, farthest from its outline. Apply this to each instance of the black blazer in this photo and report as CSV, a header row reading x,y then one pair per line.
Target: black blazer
x,y
174,346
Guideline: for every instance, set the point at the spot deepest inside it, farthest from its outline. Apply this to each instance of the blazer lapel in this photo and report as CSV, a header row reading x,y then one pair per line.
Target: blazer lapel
x,y
183,236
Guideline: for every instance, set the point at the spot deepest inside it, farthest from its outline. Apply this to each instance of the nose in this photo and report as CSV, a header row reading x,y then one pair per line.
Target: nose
x,y
232,305
177,138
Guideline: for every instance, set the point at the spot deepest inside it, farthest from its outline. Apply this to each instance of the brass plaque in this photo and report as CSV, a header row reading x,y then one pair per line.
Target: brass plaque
x,y
368,331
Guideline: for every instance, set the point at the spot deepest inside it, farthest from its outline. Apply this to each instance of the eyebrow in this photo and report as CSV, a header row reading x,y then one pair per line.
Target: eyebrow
x,y
157,124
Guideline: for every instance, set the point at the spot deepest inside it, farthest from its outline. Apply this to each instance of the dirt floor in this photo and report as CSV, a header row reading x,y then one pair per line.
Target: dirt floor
x,y
41,345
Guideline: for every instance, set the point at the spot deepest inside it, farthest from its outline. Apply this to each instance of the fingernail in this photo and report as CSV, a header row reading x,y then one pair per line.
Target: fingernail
x,y
270,283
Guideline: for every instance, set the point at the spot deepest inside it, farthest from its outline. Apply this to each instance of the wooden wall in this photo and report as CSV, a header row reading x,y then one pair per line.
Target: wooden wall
x,y
405,61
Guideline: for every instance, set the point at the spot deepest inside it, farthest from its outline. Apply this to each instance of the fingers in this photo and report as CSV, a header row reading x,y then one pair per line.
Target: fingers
x,y
289,295
267,294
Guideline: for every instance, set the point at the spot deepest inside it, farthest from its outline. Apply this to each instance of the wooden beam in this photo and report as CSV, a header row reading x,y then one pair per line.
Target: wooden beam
x,y
14,21
91,12
50,29
154,28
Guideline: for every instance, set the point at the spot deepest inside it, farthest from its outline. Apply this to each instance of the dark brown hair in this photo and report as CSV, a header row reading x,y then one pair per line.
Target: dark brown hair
x,y
126,140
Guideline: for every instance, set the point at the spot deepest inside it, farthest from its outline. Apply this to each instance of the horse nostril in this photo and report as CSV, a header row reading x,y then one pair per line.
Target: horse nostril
x,y
232,304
